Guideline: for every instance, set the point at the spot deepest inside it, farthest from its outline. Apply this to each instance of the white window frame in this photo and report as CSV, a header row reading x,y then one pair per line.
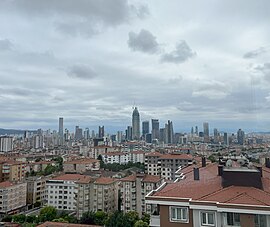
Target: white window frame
x,y
207,213
182,219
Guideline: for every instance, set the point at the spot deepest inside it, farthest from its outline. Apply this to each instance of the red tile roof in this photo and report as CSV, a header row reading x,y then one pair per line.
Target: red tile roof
x,y
176,156
153,154
5,184
69,177
104,180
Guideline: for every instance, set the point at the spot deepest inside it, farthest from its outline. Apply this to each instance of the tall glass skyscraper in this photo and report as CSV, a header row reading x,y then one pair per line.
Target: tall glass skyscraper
x,y
135,124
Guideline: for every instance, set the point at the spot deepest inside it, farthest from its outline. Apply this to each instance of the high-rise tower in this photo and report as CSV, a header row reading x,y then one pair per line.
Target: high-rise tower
x,y
206,132
135,124
61,130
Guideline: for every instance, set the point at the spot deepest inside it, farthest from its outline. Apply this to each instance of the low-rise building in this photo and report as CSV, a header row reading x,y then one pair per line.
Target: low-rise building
x,y
12,197
116,157
81,165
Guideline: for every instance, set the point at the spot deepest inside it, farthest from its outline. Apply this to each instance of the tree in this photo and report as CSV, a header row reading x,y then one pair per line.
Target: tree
x,y
132,217
48,213
7,218
141,223
19,218
88,218
31,219
119,219
100,218
146,218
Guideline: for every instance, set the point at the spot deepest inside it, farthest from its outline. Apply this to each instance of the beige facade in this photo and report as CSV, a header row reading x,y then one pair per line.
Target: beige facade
x,y
81,165
12,197
97,194
134,188
12,171
36,190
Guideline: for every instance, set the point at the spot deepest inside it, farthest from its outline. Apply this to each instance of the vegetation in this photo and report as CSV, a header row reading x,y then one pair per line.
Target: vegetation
x,y
115,219
119,167
50,169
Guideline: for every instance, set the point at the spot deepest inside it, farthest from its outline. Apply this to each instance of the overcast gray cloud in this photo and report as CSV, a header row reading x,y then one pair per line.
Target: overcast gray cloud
x,y
181,53
84,60
143,41
5,44
255,53
81,72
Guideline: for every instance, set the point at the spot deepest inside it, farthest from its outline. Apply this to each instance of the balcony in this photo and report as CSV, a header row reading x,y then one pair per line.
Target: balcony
x,y
154,220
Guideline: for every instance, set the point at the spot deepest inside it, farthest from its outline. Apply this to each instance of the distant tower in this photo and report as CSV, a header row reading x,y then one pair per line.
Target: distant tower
x,y
101,132
145,128
241,137
61,130
135,124
155,129
206,132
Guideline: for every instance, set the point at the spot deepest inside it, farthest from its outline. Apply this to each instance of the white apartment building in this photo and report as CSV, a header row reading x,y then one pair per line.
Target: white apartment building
x,y
116,157
62,190
6,143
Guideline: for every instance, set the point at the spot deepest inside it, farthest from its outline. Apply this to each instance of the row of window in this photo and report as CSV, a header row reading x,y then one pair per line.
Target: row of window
x,y
208,218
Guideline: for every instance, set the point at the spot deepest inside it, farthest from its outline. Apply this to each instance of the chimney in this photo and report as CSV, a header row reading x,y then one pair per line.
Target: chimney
x,y
196,172
203,161
260,169
220,170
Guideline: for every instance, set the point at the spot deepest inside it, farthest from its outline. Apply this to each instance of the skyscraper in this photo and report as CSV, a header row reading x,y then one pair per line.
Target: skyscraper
x,y
135,124
155,129
206,132
241,137
145,128
226,138
169,132
129,133
61,130
101,132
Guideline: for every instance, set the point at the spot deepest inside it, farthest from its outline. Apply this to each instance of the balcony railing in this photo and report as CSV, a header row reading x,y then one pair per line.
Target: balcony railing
x,y
154,220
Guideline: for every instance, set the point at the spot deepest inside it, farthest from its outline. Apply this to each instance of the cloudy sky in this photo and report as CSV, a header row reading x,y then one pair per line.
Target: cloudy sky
x,y
91,60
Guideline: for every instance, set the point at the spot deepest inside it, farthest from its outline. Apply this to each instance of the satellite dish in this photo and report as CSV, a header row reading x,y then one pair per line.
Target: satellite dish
x,y
241,162
229,163
250,165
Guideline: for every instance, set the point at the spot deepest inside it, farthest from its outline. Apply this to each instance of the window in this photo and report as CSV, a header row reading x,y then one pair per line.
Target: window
x,y
207,218
179,214
260,220
232,219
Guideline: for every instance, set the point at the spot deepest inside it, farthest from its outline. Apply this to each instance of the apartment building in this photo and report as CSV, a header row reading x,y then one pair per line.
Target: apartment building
x,y
116,157
36,190
137,156
12,170
214,195
62,190
105,194
133,190
81,165
96,194
166,165
12,197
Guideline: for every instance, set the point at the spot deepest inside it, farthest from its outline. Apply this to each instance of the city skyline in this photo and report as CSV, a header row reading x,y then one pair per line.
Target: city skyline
x,y
175,61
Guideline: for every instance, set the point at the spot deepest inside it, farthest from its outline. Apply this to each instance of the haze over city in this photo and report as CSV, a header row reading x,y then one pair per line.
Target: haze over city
x,y
89,62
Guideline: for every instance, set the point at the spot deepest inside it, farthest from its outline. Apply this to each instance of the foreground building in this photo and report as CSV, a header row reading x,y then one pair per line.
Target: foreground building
x,y
214,195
